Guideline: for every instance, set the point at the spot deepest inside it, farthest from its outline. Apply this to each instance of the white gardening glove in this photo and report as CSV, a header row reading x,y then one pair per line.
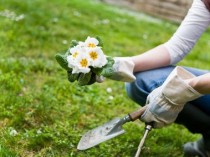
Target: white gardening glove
x,y
165,102
123,69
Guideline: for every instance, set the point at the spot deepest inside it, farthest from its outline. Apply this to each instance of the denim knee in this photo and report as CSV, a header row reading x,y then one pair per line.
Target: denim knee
x,y
136,93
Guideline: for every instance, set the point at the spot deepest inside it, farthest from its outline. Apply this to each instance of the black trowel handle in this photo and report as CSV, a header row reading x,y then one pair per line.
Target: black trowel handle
x,y
136,114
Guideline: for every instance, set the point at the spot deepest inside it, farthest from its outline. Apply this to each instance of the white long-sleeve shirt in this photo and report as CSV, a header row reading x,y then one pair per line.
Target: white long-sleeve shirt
x,y
194,24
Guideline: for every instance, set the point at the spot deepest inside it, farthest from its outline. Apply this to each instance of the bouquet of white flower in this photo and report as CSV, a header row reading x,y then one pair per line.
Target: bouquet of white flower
x,y
85,61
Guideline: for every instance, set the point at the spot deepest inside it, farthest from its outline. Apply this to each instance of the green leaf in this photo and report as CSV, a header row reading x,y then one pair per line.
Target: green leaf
x,y
61,59
84,79
72,77
100,41
67,54
74,43
97,71
92,79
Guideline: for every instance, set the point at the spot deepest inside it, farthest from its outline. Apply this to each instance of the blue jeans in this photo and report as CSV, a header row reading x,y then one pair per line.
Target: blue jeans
x,y
195,115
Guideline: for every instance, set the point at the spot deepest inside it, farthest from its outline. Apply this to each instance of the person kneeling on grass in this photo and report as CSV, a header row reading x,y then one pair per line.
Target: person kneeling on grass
x,y
173,93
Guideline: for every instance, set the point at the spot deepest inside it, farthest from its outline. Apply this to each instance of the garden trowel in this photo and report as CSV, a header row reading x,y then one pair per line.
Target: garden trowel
x,y
108,130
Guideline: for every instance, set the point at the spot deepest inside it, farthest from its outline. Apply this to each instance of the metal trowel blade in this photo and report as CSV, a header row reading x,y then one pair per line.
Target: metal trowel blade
x,y
100,134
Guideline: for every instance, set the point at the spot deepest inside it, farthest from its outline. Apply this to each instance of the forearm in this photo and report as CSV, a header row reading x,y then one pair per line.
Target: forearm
x,y
201,83
154,58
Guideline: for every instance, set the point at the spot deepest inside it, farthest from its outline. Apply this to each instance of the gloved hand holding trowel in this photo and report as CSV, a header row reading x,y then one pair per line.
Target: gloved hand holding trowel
x,y
170,94
165,102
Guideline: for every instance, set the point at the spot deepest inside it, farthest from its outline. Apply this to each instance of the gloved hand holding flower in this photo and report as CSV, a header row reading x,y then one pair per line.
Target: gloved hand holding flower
x,y
86,63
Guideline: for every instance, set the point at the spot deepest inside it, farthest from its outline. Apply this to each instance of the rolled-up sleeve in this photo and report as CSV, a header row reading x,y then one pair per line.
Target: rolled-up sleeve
x,y
183,40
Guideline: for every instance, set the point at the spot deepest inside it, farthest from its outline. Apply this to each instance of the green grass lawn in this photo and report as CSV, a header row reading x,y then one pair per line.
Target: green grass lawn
x,y
41,113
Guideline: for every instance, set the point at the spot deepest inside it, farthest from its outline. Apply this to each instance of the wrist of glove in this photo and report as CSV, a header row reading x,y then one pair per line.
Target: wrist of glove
x,y
123,69
165,102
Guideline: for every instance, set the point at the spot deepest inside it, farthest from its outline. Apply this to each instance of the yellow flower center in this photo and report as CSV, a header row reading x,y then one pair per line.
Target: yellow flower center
x,y
84,62
93,55
75,54
91,45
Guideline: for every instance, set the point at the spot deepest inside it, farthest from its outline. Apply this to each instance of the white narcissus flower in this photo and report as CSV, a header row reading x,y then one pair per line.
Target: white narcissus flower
x,y
81,44
91,42
75,51
85,55
71,58
79,64
71,61
98,59
83,63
